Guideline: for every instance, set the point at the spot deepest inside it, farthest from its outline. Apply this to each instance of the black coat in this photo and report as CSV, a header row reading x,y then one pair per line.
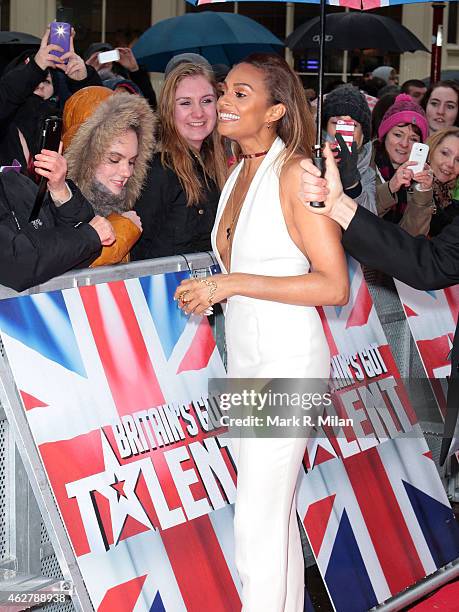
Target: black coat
x,y
32,253
20,108
170,227
419,262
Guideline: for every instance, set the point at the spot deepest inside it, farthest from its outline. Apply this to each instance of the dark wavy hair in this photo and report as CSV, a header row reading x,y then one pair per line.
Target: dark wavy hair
x,y
450,84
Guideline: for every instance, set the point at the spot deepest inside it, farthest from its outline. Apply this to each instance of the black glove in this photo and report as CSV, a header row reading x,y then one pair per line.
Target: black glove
x,y
347,165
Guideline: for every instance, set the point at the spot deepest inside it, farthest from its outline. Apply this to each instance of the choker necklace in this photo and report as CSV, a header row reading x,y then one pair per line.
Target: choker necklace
x,y
252,155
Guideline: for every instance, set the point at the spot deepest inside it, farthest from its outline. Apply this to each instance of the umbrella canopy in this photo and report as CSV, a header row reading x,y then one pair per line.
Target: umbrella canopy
x,y
356,30
13,44
222,38
18,38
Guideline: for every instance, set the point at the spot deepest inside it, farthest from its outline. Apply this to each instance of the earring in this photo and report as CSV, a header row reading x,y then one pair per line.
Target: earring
x,y
268,125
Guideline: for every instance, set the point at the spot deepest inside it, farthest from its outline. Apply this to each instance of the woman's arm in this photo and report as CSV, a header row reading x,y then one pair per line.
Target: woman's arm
x,y
317,237
418,213
385,200
418,262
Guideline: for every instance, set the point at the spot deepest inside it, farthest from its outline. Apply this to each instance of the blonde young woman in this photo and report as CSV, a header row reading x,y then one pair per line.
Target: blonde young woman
x,y
178,204
444,161
108,141
266,242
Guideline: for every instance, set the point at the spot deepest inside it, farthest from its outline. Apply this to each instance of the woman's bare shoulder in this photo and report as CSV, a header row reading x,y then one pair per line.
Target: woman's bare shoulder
x,y
290,176
292,168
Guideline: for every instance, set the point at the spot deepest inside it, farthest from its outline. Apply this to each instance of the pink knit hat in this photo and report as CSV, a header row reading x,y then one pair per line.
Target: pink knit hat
x,y
404,110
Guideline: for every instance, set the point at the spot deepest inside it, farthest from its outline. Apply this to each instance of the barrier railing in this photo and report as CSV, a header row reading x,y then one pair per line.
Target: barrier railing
x,y
23,557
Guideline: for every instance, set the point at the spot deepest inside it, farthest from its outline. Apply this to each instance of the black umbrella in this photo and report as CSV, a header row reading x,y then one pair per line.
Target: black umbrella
x,y
13,44
18,38
356,30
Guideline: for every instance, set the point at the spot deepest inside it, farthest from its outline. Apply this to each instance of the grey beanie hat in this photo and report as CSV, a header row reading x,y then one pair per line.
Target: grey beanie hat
x,y
383,72
188,58
348,100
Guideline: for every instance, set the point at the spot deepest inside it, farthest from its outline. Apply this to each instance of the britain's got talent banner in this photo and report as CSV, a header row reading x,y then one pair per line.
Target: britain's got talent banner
x,y
114,381
372,503
432,317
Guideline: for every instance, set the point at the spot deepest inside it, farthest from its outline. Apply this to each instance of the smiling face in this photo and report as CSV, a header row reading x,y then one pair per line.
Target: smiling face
x,y
244,109
398,143
442,108
445,159
118,164
195,112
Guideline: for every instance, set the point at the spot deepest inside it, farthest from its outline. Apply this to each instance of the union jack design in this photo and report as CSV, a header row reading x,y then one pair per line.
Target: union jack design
x,y
151,531
149,511
371,501
432,317
383,515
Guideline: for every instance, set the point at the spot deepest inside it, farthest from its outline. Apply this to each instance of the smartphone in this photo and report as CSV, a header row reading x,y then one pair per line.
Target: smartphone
x,y
419,154
15,167
108,56
50,139
59,34
346,128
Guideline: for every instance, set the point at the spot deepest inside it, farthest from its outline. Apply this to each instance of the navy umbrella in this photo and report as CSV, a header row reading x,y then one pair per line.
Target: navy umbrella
x,y
222,38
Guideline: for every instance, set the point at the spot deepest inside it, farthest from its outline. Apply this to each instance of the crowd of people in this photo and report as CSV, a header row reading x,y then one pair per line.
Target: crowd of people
x,y
153,171
219,165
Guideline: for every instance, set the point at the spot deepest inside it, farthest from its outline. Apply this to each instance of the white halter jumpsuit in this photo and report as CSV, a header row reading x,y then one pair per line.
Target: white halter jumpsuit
x,y
268,340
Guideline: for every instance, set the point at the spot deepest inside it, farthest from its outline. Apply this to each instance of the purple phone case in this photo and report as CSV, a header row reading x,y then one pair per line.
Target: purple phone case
x,y
59,34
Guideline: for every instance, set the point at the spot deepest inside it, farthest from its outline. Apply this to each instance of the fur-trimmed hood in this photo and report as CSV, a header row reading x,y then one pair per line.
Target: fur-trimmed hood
x,y
91,142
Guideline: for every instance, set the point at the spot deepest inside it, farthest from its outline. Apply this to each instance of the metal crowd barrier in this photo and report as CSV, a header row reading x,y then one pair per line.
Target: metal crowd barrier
x,y
30,559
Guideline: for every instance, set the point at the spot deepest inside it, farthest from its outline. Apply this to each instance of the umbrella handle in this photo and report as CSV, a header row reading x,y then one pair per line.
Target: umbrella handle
x,y
319,162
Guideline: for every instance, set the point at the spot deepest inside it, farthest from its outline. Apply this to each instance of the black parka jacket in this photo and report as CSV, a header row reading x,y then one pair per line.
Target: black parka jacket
x,y
59,240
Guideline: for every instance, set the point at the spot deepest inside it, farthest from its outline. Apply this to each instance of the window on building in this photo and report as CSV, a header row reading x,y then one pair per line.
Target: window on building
x,y
86,17
4,14
452,23
122,26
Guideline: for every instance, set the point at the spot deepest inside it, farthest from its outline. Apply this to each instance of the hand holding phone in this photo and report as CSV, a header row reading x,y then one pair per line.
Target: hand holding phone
x,y
106,57
60,34
419,154
50,141
346,128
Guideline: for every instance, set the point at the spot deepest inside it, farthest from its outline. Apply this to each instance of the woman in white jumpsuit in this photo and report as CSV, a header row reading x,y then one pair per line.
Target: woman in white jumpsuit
x,y
266,241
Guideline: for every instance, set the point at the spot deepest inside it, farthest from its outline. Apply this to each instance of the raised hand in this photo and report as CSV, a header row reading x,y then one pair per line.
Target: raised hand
x,y
75,68
43,57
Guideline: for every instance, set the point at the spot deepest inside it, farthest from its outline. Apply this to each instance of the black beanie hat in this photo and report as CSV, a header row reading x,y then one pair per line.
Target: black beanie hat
x,y
348,100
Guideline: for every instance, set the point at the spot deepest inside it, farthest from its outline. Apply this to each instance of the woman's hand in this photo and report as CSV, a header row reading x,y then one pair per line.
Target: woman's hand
x,y
104,230
75,68
43,57
424,178
197,296
93,61
134,217
402,177
127,59
52,165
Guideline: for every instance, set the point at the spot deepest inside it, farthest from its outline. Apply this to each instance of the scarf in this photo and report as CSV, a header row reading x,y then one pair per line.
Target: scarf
x,y
442,193
104,201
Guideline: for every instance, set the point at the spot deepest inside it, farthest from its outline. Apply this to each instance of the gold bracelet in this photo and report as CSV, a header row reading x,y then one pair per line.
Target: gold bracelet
x,y
212,285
